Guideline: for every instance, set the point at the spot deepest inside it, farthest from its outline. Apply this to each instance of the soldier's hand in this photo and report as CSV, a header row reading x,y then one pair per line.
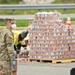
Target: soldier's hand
x,y
13,63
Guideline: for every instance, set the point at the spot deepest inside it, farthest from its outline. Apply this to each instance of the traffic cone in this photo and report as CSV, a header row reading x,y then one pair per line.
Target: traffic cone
x,y
68,22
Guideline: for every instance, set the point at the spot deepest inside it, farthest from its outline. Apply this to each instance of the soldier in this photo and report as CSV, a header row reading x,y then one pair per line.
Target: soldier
x,y
7,47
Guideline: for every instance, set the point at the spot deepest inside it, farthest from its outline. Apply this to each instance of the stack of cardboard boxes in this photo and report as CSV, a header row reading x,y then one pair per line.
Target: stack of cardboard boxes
x,y
23,55
49,38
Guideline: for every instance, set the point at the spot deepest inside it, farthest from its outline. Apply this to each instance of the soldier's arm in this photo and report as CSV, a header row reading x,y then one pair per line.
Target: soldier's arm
x,y
2,43
10,46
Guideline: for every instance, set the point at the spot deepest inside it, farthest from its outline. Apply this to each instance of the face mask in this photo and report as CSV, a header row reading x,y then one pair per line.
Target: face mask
x,y
13,26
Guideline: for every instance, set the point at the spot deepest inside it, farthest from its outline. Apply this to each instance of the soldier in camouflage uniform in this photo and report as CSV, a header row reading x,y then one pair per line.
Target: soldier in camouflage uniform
x,y
7,47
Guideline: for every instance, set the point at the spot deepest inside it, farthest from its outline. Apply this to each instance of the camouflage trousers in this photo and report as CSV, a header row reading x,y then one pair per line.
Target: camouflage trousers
x,y
5,67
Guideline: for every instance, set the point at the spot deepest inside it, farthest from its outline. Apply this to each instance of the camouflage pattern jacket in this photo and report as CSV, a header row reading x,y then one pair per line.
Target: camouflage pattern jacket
x,y
6,45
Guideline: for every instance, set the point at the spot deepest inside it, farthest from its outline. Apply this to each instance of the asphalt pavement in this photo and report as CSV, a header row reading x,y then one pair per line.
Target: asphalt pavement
x,y
31,16
36,68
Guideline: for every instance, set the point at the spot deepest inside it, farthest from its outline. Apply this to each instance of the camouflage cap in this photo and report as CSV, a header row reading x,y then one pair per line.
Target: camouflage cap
x,y
12,20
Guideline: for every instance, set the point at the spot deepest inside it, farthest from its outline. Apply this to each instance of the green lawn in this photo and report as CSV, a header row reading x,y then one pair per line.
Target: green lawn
x,y
20,23
17,12
9,1
25,23
63,1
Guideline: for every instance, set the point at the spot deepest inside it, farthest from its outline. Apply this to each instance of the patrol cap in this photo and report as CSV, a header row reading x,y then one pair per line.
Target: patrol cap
x,y
10,19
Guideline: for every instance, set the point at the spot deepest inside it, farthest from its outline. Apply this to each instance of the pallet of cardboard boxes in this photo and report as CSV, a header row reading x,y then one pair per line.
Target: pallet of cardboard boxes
x,y
50,39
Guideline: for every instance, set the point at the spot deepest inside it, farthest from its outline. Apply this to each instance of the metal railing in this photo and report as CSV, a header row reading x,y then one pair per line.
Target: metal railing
x,y
23,6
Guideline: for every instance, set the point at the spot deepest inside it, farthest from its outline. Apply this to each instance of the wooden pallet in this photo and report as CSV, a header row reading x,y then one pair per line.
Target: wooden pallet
x,y
51,61
34,59
59,61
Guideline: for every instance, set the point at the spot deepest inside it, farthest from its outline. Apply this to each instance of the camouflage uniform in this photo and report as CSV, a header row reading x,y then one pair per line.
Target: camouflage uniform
x,y
6,51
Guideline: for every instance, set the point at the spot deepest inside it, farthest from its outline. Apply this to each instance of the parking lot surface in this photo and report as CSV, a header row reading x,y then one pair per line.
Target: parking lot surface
x,y
36,68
